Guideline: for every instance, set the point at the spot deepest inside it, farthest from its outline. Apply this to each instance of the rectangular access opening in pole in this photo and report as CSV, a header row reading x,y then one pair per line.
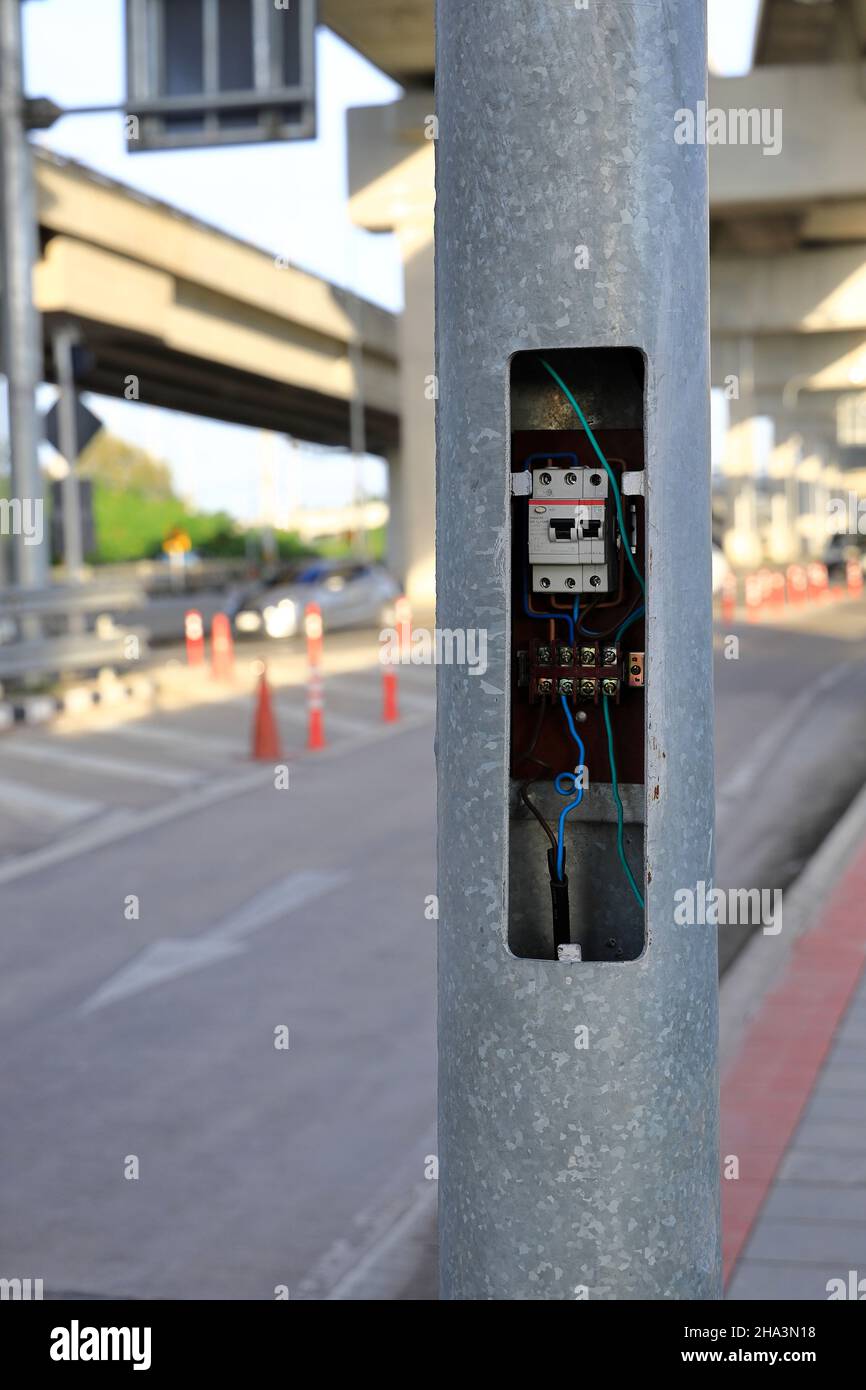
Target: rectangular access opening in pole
x,y
578,656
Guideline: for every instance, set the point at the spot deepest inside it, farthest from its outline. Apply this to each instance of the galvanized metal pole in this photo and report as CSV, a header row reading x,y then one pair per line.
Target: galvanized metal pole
x,y
64,339
568,1174
22,350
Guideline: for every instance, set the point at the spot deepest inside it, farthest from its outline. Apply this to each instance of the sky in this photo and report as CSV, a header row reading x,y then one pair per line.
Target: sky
x,y
290,199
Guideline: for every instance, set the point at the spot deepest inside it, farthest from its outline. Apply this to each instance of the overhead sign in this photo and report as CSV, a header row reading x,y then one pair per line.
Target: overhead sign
x,y
219,72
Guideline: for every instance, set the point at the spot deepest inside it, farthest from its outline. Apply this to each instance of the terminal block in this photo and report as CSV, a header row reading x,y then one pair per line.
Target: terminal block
x,y
583,674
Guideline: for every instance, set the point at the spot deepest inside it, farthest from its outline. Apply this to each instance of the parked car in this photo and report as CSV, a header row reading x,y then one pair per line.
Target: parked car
x,y
350,594
839,550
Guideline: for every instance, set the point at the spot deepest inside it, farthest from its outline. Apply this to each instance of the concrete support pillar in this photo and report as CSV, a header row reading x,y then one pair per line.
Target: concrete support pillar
x,y
814,496
743,545
391,177
784,542
414,500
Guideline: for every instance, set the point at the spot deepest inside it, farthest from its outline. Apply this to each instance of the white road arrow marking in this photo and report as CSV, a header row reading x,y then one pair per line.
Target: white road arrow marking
x,y
166,960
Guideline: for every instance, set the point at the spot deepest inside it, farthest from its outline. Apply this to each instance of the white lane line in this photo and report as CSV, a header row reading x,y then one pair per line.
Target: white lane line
x,y
762,753
51,751
380,1251
24,802
174,737
373,1275
121,824
167,959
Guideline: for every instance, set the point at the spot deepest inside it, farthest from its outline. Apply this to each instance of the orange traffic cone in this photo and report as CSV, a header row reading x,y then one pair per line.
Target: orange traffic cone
x,y
266,735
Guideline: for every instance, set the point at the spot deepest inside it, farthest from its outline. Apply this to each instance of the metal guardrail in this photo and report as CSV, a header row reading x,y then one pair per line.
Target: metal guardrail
x,y
57,655
79,598
68,628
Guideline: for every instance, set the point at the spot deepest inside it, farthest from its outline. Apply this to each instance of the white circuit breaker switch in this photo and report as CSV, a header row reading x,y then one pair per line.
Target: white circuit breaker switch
x,y
568,531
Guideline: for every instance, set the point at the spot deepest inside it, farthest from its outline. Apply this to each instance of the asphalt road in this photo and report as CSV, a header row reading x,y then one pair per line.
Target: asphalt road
x,y
790,746
146,1044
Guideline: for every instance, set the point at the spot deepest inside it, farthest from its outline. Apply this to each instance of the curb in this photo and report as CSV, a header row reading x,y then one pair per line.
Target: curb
x,y
43,709
758,966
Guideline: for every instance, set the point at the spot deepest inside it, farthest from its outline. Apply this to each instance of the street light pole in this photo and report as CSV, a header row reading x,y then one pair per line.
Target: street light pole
x,y
567,1174
22,349
64,338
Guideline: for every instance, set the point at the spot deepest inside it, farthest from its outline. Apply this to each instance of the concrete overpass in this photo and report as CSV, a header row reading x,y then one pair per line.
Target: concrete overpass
x,y
207,323
789,268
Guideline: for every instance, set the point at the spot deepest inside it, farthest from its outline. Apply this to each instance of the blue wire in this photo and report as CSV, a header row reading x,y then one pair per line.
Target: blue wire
x,y
569,717
587,632
575,786
546,617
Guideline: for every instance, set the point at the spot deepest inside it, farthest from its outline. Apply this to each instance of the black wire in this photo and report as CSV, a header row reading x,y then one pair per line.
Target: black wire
x,y
530,806
528,757
638,598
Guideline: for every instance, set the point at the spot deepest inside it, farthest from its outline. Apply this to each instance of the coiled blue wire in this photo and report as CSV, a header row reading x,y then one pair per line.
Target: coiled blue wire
x,y
568,778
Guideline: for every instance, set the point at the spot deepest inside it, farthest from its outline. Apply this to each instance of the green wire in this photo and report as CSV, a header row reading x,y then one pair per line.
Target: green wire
x,y
620,811
594,442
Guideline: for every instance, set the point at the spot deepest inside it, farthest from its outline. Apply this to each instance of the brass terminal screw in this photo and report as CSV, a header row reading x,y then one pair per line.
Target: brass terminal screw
x,y
545,687
566,687
566,656
587,656
610,687
609,656
587,689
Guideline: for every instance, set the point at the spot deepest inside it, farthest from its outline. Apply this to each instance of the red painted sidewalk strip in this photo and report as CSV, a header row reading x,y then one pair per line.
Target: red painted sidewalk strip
x,y
769,1083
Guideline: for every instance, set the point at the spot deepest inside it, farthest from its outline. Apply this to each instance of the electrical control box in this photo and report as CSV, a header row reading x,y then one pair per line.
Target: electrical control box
x,y
569,532
578,871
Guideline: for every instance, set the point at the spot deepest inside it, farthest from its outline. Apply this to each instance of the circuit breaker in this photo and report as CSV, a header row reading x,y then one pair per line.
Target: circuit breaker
x,y
569,531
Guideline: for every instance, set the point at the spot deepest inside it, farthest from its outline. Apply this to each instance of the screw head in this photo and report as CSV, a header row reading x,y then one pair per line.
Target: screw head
x,y
545,583
609,687
570,583
587,688
595,580
610,656
587,656
595,479
566,687
545,480
570,479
